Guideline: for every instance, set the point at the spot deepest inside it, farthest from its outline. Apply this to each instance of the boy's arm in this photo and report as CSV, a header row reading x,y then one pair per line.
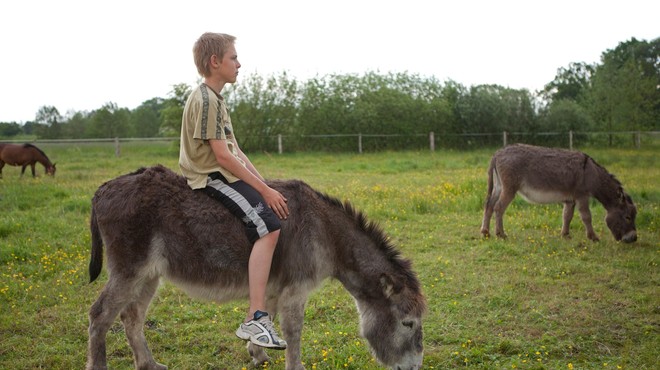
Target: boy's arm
x,y
247,161
274,199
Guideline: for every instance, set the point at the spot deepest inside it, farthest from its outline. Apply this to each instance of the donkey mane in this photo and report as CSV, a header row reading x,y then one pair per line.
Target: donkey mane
x,y
391,253
370,227
616,181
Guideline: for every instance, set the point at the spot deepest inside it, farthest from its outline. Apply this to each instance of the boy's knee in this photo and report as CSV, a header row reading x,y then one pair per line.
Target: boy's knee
x,y
275,234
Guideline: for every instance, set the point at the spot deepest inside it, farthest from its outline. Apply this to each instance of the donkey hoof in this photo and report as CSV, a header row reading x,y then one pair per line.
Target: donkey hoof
x,y
259,356
485,233
153,366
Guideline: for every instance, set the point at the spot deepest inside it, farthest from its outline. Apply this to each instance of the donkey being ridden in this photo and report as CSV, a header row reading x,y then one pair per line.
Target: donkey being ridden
x,y
546,175
154,226
24,155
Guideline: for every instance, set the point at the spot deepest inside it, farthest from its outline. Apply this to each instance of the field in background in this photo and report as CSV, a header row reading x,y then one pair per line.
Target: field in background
x,y
534,301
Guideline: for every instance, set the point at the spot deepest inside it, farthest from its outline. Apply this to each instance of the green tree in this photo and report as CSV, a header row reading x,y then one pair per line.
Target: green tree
x,y
562,116
263,108
48,120
570,83
625,94
9,129
172,111
76,126
110,121
145,119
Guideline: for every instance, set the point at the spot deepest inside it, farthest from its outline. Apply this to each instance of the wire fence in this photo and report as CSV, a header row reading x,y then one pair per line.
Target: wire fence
x,y
422,141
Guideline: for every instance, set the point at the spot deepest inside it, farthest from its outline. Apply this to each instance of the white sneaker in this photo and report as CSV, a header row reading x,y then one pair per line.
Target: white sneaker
x,y
261,332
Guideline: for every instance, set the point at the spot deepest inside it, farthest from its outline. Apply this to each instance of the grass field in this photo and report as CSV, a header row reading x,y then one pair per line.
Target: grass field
x,y
534,301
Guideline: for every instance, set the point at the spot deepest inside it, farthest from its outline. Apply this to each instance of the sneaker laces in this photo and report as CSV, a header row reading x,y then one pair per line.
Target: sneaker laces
x,y
269,326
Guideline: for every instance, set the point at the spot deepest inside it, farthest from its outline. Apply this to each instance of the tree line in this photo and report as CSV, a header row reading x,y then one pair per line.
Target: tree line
x,y
620,93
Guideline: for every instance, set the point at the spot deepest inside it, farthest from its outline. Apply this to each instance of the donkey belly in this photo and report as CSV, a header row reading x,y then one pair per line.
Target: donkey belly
x,y
543,196
219,293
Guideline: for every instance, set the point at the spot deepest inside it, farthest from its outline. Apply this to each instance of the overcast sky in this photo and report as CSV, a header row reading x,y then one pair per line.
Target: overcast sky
x,y
79,55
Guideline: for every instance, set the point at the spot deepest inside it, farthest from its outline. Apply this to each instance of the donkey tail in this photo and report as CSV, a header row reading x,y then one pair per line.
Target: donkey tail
x,y
96,260
491,170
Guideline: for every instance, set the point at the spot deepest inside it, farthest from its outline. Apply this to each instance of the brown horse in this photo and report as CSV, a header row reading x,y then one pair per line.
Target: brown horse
x,y
547,175
154,226
24,155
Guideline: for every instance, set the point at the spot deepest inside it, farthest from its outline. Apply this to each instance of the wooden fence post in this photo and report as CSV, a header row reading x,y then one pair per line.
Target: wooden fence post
x,y
432,141
117,148
279,143
504,137
360,143
570,139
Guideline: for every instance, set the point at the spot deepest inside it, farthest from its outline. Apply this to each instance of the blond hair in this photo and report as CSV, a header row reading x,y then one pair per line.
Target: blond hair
x,y
209,44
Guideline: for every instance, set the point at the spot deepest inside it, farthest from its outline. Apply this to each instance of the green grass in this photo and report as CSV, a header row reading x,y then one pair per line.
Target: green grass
x,y
534,301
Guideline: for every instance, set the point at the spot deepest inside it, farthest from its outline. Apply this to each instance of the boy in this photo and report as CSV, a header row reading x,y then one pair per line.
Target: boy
x,y
212,162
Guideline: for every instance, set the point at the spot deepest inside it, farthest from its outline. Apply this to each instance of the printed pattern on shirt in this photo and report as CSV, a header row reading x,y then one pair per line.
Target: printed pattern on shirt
x,y
205,109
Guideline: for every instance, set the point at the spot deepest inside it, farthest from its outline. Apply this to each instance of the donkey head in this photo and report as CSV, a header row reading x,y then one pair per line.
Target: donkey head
x,y
50,170
621,219
393,325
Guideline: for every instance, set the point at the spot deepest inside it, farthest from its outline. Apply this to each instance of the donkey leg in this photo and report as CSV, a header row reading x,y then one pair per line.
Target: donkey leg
x,y
133,317
488,213
585,215
500,207
569,210
258,354
101,316
491,198
292,316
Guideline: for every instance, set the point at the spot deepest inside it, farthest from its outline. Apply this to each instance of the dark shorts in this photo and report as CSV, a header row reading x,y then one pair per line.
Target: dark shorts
x,y
245,203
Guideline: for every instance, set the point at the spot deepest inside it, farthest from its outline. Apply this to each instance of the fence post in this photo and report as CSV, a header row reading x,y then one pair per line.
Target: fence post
x,y
432,141
117,148
360,143
504,137
570,140
638,139
279,143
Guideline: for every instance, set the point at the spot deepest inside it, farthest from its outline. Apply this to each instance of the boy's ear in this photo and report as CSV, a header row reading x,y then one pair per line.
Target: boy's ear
x,y
215,60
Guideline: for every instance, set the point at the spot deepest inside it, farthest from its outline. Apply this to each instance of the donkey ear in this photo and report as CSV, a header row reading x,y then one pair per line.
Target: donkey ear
x,y
389,286
621,195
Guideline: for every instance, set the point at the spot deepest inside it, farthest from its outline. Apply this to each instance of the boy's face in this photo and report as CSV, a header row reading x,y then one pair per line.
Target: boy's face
x,y
229,65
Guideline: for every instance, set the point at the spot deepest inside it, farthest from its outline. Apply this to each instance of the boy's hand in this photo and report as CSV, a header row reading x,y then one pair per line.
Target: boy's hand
x,y
277,202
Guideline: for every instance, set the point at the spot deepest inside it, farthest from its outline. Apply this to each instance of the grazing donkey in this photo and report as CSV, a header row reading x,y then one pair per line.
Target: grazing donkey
x,y
545,175
154,226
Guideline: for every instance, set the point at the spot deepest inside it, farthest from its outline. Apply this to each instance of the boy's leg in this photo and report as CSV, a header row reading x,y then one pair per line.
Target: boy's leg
x,y
261,258
263,229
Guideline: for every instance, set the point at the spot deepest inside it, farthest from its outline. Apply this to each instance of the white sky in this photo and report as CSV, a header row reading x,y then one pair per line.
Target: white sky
x,y
79,55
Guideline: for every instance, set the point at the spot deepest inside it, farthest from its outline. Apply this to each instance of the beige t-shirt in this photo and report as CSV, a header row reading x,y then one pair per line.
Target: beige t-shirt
x,y
205,117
